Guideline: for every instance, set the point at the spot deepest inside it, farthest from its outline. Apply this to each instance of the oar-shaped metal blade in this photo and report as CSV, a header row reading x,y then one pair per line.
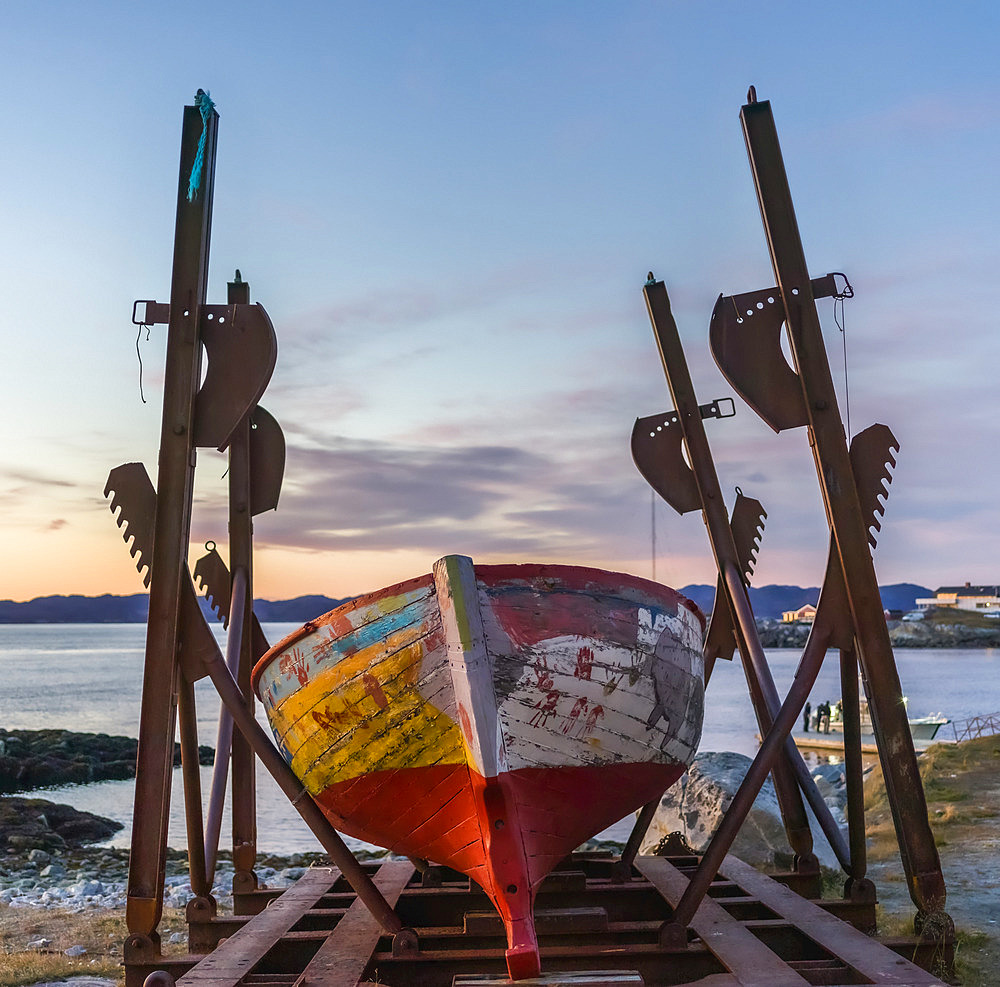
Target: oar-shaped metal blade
x,y
242,350
658,454
745,336
267,461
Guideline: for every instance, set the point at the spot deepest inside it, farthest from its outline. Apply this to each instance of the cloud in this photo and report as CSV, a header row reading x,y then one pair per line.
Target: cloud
x,y
56,524
34,479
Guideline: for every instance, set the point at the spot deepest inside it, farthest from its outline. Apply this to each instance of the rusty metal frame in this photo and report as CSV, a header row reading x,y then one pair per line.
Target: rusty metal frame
x,y
595,928
847,520
660,921
180,647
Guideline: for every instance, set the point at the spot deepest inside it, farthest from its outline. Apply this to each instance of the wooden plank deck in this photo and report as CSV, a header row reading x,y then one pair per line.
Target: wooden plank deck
x,y
868,956
344,956
750,931
236,957
738,949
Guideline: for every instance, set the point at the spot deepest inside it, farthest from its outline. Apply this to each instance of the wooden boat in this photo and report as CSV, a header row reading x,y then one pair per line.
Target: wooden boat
x,y
491,718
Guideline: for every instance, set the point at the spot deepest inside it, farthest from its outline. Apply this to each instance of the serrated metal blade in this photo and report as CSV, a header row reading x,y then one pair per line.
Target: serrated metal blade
x,y
747,523
133,496
213,577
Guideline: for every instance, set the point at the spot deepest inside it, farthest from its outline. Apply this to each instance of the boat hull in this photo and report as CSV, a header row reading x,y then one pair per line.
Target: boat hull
x,y
491,718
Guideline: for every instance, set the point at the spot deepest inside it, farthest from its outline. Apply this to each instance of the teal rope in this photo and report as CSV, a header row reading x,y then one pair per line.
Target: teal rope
x,y
205,105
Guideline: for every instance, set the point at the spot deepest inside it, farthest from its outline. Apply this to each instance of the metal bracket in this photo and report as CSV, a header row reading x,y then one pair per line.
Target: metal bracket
x,y
154,313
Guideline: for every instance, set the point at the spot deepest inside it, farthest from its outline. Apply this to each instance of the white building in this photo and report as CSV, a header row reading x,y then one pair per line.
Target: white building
x,y
982,599
806,615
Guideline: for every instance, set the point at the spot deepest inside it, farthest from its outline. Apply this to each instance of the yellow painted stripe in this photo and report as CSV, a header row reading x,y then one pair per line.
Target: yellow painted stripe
x,y
361,716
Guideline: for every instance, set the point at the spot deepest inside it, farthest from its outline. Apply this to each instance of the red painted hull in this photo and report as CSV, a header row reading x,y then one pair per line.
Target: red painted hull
x,y
450,814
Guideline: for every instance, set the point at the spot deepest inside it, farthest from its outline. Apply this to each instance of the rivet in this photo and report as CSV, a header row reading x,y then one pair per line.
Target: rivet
x,y
179,430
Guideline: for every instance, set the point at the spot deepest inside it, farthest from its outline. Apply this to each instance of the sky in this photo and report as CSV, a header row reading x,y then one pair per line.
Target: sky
x,y
448,210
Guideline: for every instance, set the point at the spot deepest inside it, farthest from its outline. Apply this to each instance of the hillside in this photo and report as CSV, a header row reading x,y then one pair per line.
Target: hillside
x,y
769,602
132,609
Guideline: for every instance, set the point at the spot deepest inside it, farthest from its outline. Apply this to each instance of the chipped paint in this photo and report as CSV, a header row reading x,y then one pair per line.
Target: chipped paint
x,y
422,717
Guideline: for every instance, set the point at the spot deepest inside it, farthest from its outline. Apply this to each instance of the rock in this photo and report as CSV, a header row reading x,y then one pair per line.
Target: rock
x,y
695,804
39,944
32,759
54,872
75,951
39,857
35,824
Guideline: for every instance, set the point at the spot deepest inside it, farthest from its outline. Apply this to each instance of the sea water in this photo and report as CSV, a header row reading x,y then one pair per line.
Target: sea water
x,y
88,678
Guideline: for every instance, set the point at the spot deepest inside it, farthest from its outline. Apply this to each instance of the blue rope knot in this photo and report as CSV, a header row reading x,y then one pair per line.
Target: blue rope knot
x,y
205,106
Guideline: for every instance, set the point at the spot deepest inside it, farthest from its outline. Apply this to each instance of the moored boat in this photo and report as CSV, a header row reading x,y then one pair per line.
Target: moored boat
x,y
921,727
491,718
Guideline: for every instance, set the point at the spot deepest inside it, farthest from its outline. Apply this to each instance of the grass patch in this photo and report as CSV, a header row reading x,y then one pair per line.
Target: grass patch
x,y
955,777
101,932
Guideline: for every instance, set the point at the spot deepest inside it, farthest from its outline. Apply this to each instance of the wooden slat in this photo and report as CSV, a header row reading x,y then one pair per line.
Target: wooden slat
x,y
233,959
344,955
736,948
868,956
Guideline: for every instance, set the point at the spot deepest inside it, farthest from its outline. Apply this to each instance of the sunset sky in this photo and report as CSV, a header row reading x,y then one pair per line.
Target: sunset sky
x,y
448,210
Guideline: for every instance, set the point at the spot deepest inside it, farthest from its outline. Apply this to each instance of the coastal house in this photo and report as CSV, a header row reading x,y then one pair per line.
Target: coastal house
x,y
982,599
804,615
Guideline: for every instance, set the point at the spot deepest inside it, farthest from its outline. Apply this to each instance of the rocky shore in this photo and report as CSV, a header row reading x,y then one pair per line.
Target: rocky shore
x,y
82,878
941,628
31,759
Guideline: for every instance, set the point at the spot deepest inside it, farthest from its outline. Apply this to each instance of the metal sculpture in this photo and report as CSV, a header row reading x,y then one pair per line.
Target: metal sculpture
x,y
745,341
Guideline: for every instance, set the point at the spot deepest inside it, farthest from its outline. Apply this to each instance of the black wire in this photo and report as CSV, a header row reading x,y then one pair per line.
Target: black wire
x,y
138,335
841,323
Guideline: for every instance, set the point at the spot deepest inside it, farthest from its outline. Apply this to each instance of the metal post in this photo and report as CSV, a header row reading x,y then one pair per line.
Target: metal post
x,y
244,801
853,768
844,513
201,882
175,481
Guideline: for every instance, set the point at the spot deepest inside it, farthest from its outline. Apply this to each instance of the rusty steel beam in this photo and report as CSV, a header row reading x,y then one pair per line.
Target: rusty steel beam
x,y
845,515
201,881
763,693
854,774
244,798
175,481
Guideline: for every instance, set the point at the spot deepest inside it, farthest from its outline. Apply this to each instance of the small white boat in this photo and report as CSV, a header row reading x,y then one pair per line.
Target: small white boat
x,y
921,727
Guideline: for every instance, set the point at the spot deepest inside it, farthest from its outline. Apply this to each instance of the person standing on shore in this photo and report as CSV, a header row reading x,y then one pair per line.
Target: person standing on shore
x,y
806,713
824,716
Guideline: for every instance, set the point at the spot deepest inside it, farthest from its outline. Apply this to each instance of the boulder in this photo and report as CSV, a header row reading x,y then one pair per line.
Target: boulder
x,y
31,759
28,824
695,804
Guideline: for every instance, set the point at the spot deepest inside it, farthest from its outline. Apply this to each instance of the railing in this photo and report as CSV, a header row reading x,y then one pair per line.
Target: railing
x,y
977,726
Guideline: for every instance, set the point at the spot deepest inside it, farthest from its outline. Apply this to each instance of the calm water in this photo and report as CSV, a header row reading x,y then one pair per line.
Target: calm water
x,y
88,677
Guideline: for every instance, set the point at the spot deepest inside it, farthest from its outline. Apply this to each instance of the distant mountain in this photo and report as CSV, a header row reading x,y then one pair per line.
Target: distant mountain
x,y
772,601
767,601
109,609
